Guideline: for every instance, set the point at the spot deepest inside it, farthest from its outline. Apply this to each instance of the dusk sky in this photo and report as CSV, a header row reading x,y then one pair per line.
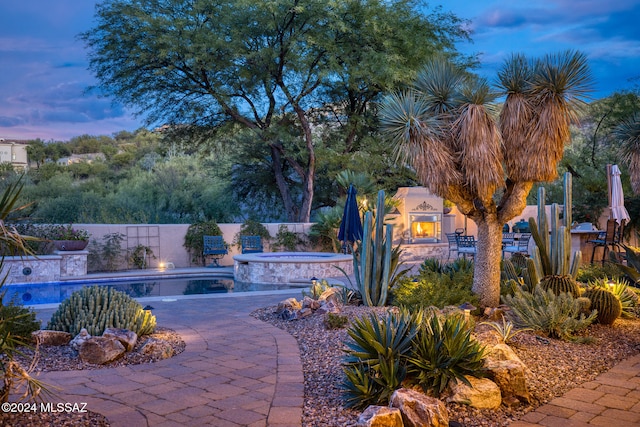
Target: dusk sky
x,y
44,76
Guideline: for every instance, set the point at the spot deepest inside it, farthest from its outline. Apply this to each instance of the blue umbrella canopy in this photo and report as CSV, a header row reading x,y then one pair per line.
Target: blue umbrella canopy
x,y
351,225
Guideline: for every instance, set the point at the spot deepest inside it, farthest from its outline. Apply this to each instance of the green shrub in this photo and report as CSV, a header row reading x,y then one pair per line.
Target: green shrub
x,y
250,228
558,316
106,255
99,307
444,351
19,320
194,239
335,321
434,289
592,272
286,240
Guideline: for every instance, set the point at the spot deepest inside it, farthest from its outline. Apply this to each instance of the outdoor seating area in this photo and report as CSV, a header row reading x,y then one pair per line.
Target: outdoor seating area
x,y
215,248
515,243
466,245
609,240
251,244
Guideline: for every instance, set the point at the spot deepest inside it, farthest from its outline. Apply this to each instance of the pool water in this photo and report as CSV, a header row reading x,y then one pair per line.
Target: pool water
x,y
55,292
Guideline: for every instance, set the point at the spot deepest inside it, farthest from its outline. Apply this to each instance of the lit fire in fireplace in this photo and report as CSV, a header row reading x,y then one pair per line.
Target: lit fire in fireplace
x,y
425,226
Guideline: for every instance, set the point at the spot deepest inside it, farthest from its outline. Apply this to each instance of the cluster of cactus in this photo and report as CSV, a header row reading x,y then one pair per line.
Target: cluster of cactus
x,y
552,253
525,277
605,302
561,284
376,261
96,308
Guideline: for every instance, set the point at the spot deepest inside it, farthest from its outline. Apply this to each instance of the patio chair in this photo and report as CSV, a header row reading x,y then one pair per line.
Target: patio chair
x,y
453,243
466,246
215,248
517,246
610,238
251,244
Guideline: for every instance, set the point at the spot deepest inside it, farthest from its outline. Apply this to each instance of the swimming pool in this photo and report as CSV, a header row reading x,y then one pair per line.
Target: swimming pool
x,y
55,292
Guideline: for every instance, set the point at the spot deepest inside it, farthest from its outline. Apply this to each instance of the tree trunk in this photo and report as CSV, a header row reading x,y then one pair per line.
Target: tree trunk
x,y
486,272
283,187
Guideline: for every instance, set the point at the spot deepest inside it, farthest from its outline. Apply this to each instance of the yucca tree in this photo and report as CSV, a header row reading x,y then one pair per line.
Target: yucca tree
x,y
628,133
447,128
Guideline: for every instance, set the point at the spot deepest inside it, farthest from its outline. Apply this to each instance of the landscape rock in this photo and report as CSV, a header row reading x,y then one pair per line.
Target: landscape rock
x,y
483,393
508,371
158,349
287,309
333,295
48,337
100,350
419,410
126,337
309,302
77,341
380,416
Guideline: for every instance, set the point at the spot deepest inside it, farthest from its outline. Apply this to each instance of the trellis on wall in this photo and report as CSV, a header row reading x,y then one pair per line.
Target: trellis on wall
x,y
143,245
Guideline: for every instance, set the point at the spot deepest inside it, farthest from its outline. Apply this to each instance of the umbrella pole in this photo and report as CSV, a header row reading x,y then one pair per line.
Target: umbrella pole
x,y
609,189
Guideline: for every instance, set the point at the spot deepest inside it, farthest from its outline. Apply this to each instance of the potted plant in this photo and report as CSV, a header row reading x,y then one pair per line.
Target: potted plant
x,y
67,238
447,206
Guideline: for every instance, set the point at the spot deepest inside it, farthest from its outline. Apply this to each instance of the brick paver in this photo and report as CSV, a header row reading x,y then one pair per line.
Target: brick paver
x,y
235,371
610,400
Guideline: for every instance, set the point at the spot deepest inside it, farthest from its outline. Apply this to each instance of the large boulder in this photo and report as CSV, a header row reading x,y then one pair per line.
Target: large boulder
x,y
380,416
483,393
101,350
47,337
126,337
508,371
419,410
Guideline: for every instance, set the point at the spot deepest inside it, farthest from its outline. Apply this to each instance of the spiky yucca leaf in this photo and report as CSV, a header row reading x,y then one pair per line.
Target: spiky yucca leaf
x,y
559,82
438,83
419,140
628,133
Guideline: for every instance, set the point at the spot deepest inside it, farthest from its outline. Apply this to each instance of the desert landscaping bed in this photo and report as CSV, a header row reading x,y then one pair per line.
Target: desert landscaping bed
x,y
64,358
555,366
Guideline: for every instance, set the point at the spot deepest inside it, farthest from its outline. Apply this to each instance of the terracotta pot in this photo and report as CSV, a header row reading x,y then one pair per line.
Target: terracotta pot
x,y
70,245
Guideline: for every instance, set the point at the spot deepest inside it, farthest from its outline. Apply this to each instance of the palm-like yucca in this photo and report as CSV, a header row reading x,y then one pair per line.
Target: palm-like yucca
x,y
543,98
446,128
628,133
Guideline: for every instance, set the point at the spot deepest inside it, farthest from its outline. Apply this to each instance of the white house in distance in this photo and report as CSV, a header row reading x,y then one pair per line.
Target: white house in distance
x,y
14,152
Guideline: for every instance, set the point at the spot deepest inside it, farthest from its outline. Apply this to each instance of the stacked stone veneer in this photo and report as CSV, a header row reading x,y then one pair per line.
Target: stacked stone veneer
x,y
283,269
45,268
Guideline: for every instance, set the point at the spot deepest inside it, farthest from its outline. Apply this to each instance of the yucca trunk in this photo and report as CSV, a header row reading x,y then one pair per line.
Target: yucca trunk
x,y
486,272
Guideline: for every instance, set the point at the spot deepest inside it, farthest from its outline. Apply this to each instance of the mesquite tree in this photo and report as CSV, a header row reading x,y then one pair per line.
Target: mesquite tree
x,y
448,129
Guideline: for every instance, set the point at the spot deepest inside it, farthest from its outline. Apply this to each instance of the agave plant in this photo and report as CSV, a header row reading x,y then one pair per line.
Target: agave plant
x,y
375,356
444,351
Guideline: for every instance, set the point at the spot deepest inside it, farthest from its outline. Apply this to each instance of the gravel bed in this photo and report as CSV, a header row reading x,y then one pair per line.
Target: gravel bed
x,y
64,358
555,366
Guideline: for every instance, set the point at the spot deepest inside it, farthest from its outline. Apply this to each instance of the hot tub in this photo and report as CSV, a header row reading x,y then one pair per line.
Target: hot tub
x,y
289,267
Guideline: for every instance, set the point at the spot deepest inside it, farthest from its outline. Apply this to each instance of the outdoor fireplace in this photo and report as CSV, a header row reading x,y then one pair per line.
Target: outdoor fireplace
x,y
420,215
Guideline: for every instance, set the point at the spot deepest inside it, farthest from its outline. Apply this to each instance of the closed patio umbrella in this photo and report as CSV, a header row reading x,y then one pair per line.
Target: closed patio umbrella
x,y
351,225
618,211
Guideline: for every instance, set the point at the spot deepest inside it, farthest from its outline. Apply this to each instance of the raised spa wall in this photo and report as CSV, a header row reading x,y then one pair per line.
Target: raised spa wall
x,y
289,267
45,268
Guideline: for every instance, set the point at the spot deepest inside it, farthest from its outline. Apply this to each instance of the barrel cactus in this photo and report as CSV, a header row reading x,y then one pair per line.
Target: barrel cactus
x,y
608,305
559,284
96,308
